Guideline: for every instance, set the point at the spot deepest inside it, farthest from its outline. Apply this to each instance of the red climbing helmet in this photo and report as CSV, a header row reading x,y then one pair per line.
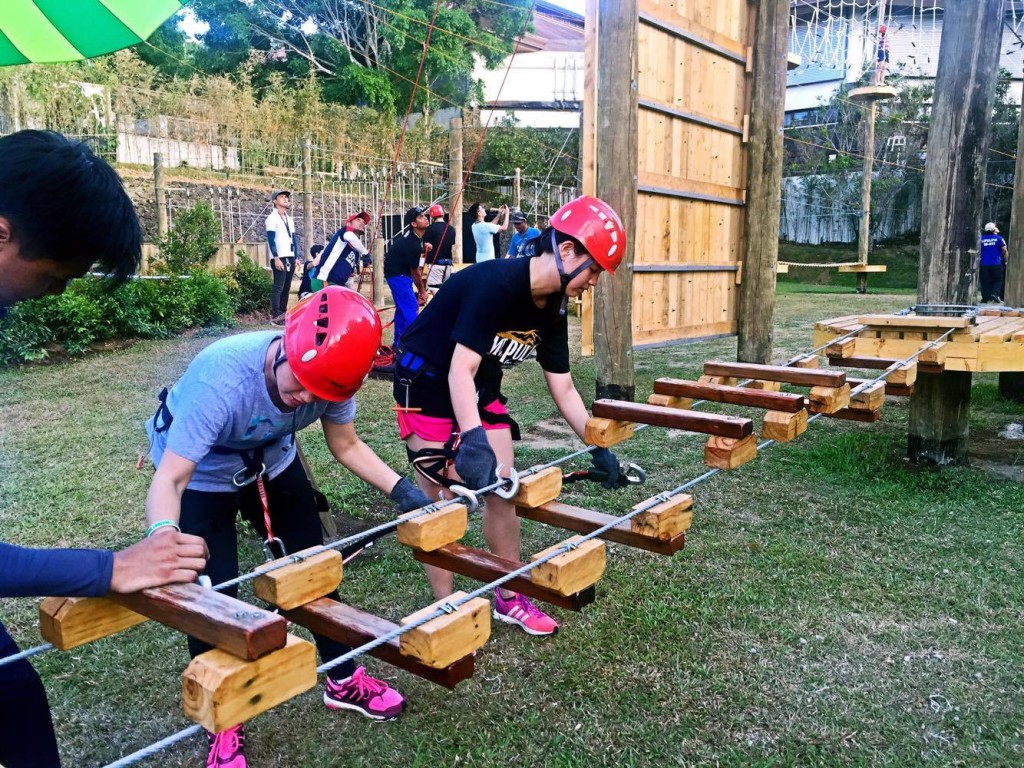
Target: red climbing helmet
x,y
436,211
596,226
330,338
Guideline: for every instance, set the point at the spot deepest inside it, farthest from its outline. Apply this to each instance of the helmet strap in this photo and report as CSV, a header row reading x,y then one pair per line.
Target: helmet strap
x,y
564,278
280,357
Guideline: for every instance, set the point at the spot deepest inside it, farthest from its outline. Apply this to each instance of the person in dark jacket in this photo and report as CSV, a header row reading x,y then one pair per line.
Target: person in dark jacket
x,y
54,191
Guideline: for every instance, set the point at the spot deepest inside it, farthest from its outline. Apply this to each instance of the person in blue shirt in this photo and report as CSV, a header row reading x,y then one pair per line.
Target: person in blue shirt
x,y
54,191
993,264
521,243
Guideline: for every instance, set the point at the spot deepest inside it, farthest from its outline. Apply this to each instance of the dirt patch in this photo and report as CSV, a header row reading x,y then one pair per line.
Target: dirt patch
x,y
553,433
999,452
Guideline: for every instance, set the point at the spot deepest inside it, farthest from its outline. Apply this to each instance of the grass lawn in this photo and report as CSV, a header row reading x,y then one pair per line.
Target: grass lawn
x,y
834,606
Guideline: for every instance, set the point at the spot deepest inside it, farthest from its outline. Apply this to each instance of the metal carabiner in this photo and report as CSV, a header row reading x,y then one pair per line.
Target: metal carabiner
x,y
634,473
469,496
512,490
266,548
247,480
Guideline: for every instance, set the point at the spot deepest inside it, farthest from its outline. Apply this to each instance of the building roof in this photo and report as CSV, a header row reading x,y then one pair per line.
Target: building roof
x,y
554,29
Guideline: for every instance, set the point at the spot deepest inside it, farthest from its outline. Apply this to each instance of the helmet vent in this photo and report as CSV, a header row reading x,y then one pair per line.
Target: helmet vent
x,y
566,215
323,322
612,250
320,339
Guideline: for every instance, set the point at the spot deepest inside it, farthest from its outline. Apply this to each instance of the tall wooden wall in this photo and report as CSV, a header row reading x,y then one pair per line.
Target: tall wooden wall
x,y
693,92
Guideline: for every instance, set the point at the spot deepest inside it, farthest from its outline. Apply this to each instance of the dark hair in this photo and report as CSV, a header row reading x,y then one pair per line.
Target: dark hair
x,y
473,210
65,203
542,243
315,249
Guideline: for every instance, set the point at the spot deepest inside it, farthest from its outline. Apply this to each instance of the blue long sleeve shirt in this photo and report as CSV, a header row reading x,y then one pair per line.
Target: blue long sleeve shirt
x,y
54,572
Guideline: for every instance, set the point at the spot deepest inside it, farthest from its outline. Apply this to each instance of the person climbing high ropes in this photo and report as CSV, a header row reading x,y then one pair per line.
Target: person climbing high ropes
x,y
223,442
449,367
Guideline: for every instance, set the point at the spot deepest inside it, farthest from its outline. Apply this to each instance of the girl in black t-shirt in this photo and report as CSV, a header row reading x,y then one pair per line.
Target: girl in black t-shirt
x,y
449,367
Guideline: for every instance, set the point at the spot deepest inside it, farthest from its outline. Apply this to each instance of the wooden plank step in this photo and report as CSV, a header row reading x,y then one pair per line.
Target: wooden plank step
x,y
587,521
242,630
755,398
915,321
486,566
803,377
846,414
453,635
354,627
674,418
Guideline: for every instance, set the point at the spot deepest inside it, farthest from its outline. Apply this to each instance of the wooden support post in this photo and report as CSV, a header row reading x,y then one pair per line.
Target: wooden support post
x,y
864,238
952,206
783,427
435,529
666,520
537,490
442,641
353,628
517,189
673,418
68,622
241,629
454,185
587,521
377,262
829,399
764,179
870,399
219,690
573,571
607,432
729,453
1011,384
307,198
755,398
485,566
939,426
617,153
159,194
299,583
801,377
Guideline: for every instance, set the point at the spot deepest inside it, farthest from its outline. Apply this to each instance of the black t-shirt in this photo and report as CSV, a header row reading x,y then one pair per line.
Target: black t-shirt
x,y
489,308
403,257
442,253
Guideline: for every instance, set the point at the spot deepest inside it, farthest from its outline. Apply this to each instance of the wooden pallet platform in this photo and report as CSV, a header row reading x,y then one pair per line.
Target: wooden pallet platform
x,y
871,93
987,343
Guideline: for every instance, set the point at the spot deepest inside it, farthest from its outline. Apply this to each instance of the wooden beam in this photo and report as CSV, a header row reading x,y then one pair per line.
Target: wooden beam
x,y
915,321
891,390
68,622
219,690
442,641
537,490
607,432
435,529
665,520
829,399
772,401
587,521
786,374
353,627
241,629
673,418
301,582
848,414
485,566
573,571
870,399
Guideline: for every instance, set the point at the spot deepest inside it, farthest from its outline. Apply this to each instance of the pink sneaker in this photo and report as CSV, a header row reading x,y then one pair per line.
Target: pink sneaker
x,y
227,748
370,697
519,610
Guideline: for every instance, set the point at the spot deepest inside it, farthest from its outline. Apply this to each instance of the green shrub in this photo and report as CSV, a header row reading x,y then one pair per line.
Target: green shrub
x,y
190,243
254,285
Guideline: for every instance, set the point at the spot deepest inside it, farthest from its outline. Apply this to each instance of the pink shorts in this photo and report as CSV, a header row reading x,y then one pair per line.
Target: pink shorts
x,y
437,429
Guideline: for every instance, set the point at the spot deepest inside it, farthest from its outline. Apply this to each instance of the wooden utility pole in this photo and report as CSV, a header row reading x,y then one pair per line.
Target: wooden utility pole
x,y
954,183
455,184
864,241
307,196
615,182
159,195
764,180
377,261
1011,385
518,190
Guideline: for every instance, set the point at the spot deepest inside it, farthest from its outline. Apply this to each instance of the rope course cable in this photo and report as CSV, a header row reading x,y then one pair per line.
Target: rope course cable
x,y
450,605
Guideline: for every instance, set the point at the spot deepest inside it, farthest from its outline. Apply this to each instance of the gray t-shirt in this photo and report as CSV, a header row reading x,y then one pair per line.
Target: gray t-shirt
x,y
222,400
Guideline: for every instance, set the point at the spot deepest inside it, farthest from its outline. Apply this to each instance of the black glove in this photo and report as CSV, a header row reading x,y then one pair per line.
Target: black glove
x,y
475,461
407,496
367,261
606,462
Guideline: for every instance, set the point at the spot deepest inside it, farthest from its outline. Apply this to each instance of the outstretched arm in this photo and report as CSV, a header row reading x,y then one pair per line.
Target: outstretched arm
x,y
357,457
567,398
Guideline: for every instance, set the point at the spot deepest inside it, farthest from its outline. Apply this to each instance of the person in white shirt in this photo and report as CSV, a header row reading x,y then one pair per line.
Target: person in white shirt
x,y
283,246
484,231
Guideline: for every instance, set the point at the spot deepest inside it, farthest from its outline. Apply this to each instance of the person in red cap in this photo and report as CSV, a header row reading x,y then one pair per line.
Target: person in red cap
x,y
223,443
344,254
440,236
449,367
882,65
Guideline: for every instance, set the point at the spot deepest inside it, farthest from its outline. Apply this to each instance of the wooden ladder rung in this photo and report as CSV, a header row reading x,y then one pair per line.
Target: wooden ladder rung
x,y
755,398
804,377
674,418
354,627
587,521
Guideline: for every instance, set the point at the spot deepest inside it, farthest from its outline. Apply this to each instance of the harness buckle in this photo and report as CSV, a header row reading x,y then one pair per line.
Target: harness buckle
x,y
240,480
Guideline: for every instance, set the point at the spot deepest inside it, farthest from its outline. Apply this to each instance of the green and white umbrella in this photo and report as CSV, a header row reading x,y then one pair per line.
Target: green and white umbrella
x,y
47,31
